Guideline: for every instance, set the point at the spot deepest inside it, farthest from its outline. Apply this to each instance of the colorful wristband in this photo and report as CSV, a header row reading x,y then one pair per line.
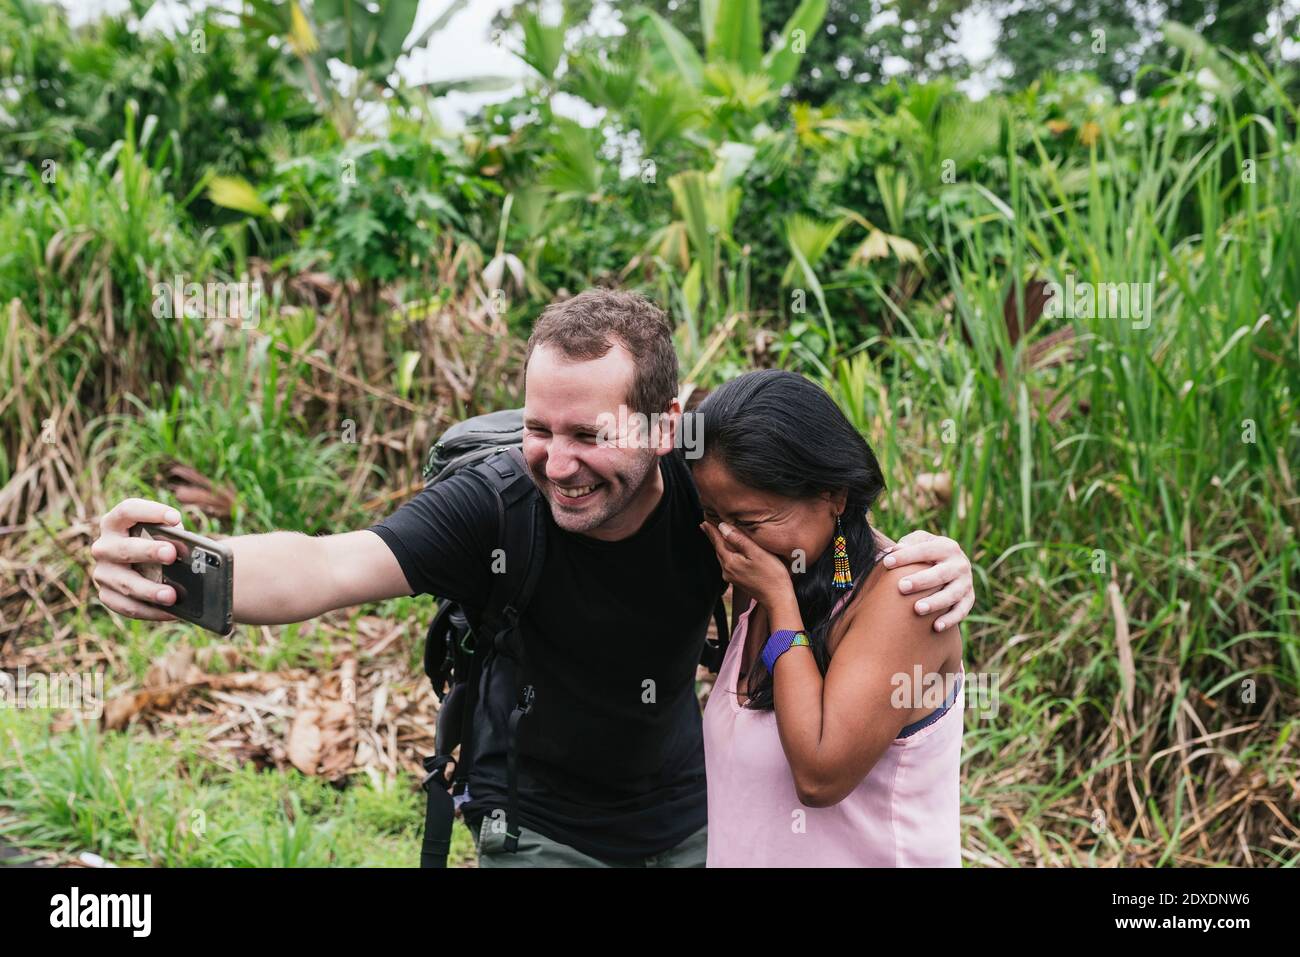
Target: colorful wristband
x,y
779,643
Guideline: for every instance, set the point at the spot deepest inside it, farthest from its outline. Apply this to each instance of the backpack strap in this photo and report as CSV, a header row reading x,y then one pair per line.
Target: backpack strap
x,y
716,649
521,537
521,534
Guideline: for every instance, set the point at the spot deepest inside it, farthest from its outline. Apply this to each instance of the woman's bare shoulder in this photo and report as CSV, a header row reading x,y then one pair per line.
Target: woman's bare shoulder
x,y
881,610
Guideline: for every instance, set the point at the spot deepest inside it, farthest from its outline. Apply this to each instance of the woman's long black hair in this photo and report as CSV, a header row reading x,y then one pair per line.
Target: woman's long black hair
x,y
778,432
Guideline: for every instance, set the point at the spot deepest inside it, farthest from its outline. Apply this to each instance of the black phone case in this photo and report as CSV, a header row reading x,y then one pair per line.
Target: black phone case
x,y
203,576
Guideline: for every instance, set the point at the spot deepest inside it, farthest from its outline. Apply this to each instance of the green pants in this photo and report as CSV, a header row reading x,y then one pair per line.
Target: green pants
x,y
538,851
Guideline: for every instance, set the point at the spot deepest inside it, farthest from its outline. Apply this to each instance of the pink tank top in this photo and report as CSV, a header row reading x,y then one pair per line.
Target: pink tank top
x,y
904,813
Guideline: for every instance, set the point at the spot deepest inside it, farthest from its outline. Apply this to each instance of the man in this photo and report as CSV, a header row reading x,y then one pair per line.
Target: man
x,y
611,763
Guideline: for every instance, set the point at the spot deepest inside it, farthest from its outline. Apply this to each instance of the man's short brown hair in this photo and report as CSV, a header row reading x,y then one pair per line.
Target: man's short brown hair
x,y
586,327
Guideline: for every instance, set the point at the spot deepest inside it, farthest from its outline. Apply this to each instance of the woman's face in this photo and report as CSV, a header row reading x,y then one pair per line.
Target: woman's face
x,y
789,528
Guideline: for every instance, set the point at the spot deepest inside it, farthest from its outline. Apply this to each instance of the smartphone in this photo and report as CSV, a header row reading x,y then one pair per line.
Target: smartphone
x,y
203,576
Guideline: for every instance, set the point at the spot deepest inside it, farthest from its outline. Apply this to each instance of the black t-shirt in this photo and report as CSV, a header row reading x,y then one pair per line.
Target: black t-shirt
x,y
611,758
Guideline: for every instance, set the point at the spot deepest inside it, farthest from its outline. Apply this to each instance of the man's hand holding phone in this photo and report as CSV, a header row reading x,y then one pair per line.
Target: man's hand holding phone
x,y
118,556
148,566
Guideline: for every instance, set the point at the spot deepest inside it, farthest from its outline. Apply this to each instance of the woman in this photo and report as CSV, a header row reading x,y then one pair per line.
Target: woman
x,y
822,748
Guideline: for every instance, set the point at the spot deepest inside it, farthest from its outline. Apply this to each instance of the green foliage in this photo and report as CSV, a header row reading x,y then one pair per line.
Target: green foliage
x,y
543,43
367,37
136,800
71,87
374,210
240,431
90,238
1117,41
850,41
574,167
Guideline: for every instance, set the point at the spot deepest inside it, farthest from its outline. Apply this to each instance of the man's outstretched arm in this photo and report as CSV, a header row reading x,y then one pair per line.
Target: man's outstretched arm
x,y
280,577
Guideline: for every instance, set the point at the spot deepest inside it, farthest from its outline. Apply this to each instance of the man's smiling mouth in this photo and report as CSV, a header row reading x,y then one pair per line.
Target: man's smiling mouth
x,y
576,492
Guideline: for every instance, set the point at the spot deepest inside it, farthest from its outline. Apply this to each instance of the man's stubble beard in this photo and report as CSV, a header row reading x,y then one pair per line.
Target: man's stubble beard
x,y
630,484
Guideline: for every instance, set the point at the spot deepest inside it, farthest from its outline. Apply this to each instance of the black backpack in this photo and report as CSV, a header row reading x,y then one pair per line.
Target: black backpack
x,y
472,653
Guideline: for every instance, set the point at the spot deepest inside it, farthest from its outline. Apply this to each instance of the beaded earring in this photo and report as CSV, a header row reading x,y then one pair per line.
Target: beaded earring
x,y
843,577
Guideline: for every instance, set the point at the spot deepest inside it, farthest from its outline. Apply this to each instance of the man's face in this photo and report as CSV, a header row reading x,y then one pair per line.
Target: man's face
x,y
568,405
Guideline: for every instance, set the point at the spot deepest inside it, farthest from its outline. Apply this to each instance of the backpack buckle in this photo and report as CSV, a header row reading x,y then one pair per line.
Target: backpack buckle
x,y
437,768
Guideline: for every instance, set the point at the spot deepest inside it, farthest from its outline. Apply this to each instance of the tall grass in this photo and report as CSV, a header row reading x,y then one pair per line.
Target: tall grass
x,y
91,237
243,431
1128,494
